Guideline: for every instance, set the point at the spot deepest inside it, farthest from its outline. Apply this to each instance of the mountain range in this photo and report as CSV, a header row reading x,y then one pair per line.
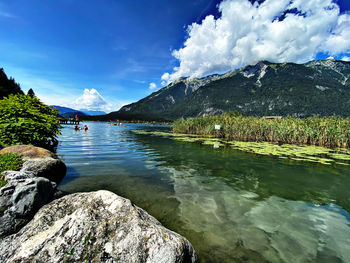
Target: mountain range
x,y
318,87
70,113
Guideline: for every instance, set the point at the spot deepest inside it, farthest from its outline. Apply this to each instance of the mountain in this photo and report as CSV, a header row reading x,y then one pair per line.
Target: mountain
x,y
317,87
68,112
92,112
8,85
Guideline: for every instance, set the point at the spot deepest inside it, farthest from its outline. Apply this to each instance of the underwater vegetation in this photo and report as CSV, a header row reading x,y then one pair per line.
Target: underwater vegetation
x,y
330,132
309,153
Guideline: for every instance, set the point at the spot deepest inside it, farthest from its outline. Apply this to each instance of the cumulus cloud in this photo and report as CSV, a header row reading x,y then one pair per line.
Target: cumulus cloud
x,y
275,30
91,100
152,86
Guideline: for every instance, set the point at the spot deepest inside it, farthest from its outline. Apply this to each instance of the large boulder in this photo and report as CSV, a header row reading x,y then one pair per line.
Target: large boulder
x,y
30,188
20,199
95,227
50,168
39,162
28,151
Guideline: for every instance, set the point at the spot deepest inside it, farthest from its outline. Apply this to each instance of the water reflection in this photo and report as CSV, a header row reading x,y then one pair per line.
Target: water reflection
x,y
233,206
265,176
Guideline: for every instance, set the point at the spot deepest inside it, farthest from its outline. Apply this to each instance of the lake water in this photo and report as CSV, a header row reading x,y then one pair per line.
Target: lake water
x,y
233,206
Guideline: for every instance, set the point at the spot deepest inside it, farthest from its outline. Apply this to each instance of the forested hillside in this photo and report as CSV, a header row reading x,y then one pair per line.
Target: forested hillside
x,y
8,85
317,87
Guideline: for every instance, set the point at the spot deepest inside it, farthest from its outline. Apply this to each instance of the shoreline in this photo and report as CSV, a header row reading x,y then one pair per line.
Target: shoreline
x,y
34,216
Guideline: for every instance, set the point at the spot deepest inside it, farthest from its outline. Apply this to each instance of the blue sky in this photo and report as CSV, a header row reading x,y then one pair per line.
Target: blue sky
x,y
102,54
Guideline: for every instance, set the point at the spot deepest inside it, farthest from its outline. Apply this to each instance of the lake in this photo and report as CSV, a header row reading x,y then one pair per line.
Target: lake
x,y
231,205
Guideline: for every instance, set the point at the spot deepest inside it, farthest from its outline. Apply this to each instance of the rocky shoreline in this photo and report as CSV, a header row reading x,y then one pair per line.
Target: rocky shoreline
x,y
38,226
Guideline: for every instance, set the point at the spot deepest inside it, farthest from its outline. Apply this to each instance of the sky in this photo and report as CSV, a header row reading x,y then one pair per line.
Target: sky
x,y
102,54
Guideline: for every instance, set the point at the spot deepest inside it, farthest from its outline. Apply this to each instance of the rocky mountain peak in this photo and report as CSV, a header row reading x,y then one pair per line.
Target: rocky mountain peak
x,y
264,88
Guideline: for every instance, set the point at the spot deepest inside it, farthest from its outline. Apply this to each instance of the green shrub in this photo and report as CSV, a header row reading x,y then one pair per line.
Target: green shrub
x,y
9,161
26,120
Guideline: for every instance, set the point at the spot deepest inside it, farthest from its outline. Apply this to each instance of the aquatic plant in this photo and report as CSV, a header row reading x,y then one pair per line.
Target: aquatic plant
x,y
331,132
308,153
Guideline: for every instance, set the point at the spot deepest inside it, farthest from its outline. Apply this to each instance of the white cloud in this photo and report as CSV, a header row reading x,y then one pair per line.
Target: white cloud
x,y
166,79
346,58
246,33
53,90
152,86
91,100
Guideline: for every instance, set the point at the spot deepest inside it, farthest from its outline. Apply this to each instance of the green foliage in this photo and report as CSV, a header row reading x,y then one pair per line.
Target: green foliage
x,y
322,131
9,161
26,120
2,181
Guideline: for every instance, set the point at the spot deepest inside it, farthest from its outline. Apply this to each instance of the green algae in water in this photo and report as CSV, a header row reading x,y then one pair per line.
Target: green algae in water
x,y
340,156
315,154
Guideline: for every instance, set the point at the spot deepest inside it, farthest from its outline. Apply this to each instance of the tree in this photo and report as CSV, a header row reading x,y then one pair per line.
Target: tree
x,y
31,93
8,85
26,120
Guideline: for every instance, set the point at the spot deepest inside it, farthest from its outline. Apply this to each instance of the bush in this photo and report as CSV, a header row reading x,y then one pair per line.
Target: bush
x,y
9,161
26,120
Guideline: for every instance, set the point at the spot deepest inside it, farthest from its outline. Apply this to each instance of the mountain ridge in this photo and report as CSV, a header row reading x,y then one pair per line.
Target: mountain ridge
x,y
69,112
317,87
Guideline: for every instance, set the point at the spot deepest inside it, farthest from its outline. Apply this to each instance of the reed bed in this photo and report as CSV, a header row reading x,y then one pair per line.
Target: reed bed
x,y
331,132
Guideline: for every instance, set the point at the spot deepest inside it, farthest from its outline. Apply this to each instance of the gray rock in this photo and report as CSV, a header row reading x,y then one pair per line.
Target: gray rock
x,y
39,162
30,188
95,227
16,175
47,167
20,199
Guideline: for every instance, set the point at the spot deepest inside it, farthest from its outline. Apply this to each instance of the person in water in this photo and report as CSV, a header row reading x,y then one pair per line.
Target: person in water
x,y
85,128
76,128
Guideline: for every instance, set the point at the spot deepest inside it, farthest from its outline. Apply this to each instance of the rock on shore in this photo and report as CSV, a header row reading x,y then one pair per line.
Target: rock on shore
x,y
30,188
20,199
97,227
39,162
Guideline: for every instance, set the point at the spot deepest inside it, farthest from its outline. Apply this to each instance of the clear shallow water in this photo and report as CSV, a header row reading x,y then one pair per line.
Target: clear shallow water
x,y
233,206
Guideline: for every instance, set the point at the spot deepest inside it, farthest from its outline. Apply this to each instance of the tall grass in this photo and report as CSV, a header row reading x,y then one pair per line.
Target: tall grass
x,y
329,132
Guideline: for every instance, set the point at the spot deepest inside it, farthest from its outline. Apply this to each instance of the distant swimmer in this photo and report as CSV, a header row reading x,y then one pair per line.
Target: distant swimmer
x,y
85,128
76,128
